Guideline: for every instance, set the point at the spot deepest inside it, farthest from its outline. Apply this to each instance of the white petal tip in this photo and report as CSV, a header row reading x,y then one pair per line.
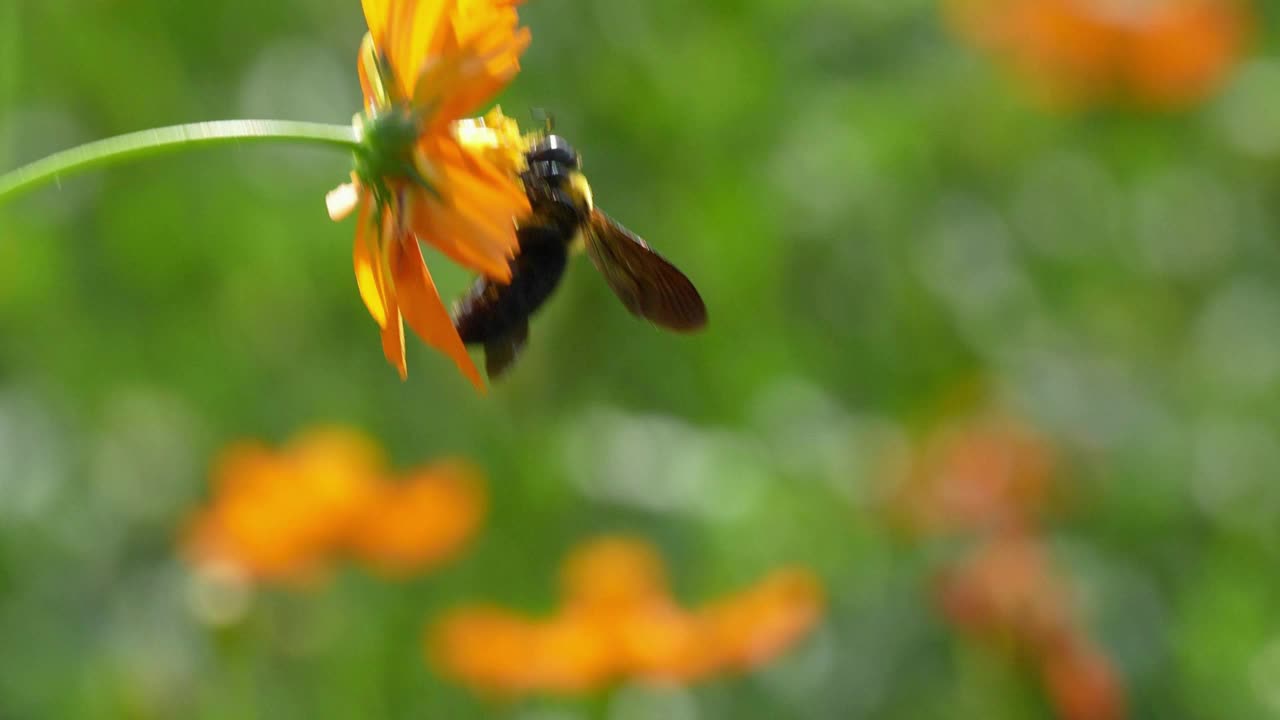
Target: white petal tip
x,y
341,201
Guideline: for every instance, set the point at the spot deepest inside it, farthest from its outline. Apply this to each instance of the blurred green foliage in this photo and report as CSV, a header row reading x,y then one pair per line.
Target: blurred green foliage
x,y
877,219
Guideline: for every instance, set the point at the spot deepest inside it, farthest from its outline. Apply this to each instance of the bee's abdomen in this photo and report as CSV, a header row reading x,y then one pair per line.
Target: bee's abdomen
x,y
492,310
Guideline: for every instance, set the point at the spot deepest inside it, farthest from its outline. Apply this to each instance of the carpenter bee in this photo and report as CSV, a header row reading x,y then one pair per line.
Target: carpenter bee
x,y
562,221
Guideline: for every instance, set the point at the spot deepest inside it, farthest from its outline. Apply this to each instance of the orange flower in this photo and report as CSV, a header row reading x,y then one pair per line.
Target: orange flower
x,y
986,482
410,525
276,515
984,474
1082,684
490,647
1161,53
1007,589
285,515
1184,49
423,65
495,649
617,589
613,575
1008,592
618,621
759,624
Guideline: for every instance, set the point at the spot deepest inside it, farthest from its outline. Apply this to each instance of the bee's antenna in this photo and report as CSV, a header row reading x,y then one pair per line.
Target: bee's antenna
x,y
545,117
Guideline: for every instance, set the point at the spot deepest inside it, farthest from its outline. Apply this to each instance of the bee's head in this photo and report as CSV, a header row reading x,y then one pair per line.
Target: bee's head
x,y
554,149
554,181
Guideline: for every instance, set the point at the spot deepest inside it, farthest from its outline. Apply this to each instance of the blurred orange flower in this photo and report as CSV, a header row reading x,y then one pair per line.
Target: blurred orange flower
x,y
617,620
423,65
409,525
1006,588
1008,592
778,610
1158,53
285,515
985,481
1081,682
276,515
985,474
616,589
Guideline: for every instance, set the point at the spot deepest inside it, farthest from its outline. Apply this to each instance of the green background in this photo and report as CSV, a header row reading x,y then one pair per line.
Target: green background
x,y
880,223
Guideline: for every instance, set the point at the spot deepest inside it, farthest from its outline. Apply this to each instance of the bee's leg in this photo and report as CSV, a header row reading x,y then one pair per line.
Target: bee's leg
x,y
500,352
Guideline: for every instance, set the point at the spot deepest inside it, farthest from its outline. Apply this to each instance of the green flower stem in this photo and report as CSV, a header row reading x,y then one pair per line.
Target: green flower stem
x,y
146,143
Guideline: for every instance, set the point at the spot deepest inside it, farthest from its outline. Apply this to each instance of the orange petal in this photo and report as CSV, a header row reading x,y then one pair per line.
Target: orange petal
x,y
475,222
487,72
373,83
666,643
1182,51
377,13
434,222
612,575
450,233
760,623
393,344
407,33
368,267
416,39
487,648
1083,684
276,515
572,655
339,450
500,183
388,248
476,56
237,462
422,520
420,302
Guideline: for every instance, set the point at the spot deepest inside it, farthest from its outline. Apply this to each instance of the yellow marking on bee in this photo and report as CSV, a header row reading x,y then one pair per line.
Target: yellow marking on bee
x,y
578,243
578,182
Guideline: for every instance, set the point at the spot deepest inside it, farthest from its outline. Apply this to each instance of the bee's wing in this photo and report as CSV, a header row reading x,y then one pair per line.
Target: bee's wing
x,y
646,283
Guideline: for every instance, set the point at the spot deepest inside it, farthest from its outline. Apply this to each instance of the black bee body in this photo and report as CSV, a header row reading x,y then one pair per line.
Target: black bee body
x,y
497,315
563,218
